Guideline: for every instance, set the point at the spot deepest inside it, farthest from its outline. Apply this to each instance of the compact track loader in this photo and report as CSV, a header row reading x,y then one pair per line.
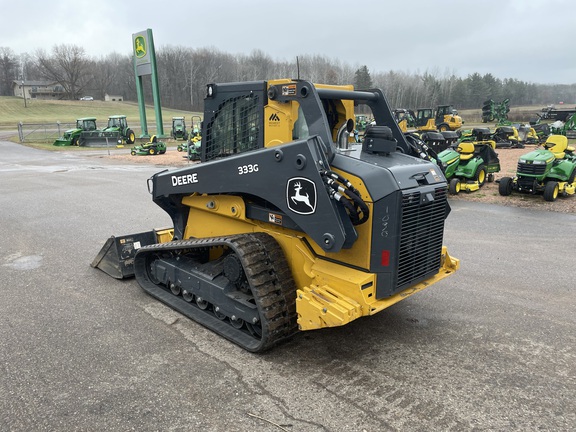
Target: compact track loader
x,y
286,224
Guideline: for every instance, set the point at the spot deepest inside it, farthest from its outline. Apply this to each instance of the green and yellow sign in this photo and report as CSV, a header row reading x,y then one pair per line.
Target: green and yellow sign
x,y
139,46
142,46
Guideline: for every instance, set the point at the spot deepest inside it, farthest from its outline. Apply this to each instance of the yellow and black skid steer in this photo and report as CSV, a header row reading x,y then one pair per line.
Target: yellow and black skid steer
x,y
286,224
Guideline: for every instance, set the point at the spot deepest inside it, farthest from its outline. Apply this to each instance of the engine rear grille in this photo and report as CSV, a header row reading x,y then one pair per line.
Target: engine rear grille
x,y
531,169
421,236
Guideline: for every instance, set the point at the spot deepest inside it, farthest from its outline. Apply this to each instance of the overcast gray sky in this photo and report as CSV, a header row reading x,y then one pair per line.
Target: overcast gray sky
x,y
531,40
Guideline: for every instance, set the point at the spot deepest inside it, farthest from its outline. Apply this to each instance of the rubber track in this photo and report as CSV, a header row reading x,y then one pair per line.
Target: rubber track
x,y
267,273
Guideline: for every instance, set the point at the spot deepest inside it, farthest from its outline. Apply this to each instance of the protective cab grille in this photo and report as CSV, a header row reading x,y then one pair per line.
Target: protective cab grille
x,y
531,169
234,127
421,236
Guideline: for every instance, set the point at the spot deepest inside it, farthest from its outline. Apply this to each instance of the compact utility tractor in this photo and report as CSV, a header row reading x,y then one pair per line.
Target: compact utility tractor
x,y
550,170
470,164
152,147
118,123
566,127
179,128
73,137
286,224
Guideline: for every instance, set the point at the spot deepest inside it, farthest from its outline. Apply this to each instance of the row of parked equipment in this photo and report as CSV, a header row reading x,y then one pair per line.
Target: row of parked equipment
x,y
472,160
85,133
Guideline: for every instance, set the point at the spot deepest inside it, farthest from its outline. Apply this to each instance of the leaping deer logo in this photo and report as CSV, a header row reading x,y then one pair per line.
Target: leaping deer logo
x,y
299,197
301,194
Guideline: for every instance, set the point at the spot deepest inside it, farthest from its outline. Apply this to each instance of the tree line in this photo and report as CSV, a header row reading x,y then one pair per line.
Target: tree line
x,y
184,72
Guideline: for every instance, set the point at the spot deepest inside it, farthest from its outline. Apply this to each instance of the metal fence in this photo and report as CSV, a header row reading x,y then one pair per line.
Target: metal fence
x,y
42,132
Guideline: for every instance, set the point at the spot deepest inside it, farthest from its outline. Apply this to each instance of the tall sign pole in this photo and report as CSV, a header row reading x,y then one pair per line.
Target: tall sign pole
x,y
145,64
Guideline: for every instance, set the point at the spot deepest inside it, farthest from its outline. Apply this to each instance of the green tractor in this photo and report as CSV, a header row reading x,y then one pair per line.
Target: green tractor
x,y
152,147
118,123
179,128
468,166
567,128
550,170
73,136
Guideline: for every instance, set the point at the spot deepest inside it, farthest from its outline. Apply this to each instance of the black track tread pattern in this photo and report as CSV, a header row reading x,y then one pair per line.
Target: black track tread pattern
x,y
267,272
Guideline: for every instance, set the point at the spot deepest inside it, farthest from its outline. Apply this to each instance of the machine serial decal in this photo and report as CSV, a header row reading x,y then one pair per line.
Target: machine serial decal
x,y
184,179
301,195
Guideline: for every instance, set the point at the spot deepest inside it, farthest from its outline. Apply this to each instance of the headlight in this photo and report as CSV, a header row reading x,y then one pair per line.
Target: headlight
x,y
539,162
522,161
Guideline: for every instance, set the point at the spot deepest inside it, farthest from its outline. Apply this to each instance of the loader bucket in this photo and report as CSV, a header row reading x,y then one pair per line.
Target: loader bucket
x,y
100,139
62,142
117,255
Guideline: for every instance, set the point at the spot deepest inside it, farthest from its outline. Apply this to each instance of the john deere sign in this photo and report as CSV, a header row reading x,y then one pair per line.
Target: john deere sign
x,y
145,64
141,47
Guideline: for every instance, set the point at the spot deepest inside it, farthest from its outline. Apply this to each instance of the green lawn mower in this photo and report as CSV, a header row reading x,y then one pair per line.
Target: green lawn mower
x,y
193,146
550,170
152,147
183,147
468,166
194,150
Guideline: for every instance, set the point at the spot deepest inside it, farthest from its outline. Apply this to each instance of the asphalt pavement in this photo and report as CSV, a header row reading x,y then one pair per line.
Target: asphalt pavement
x,y
490,348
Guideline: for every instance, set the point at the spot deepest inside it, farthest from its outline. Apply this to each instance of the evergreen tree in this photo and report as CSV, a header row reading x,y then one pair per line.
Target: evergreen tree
x,y
362,78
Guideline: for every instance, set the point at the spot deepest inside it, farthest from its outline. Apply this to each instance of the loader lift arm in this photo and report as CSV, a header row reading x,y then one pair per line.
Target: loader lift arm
x,y
267,174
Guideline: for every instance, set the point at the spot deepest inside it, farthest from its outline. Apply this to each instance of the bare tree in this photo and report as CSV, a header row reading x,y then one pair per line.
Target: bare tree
x,y
173,66
184,73
67,66
8,70
106,74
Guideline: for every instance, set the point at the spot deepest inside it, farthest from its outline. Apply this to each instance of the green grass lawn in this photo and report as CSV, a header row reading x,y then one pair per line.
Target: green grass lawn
x,y
13,111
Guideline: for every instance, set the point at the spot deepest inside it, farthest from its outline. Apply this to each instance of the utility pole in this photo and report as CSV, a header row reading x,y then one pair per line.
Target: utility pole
x,y
24,94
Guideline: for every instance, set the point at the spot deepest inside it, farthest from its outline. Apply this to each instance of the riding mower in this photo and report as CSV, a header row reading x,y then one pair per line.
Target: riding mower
x,y
470,165
550,170
193,145
507,137
542,129
194,150
527,135
152,147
